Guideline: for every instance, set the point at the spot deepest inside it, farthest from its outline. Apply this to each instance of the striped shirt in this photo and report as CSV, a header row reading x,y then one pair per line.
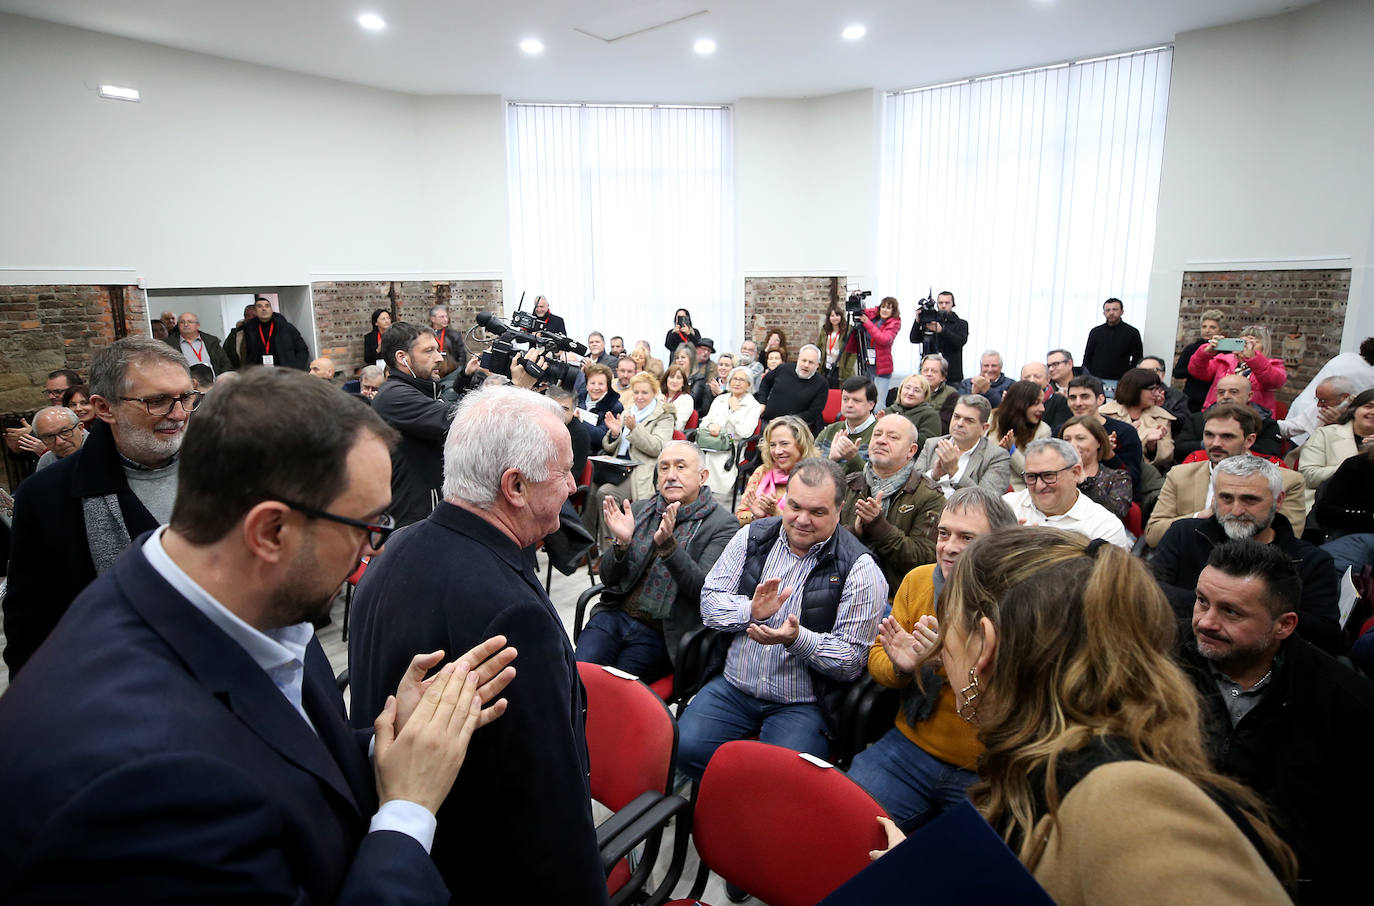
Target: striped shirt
x,y
779,673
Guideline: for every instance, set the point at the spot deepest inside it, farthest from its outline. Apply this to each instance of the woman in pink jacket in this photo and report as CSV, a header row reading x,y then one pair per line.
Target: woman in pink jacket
x,y
883,324
1266,375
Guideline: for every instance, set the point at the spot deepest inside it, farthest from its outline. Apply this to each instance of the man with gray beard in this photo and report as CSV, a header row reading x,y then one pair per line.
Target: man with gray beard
x,y
1246,494
73,519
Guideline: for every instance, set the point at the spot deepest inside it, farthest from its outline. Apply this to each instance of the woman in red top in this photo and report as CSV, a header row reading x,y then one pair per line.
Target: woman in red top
x,y
883,324
1266,374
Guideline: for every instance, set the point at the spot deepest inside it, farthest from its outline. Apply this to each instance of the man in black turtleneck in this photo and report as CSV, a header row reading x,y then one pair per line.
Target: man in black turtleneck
x,y
409,402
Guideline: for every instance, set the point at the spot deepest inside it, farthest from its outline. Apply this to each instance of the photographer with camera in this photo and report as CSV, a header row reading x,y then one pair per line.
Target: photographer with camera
x,y
871,335
682,332
939,329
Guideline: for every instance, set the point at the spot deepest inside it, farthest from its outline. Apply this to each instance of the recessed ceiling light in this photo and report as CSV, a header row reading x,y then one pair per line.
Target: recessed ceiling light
x,y
372,22
118,93
532,45
853,32
704,46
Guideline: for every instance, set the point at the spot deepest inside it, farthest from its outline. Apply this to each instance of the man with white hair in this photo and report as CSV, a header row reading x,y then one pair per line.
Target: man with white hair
x,y
74,519
60,431
199,347
464,572
1052,498
1247,492
798,389
989,382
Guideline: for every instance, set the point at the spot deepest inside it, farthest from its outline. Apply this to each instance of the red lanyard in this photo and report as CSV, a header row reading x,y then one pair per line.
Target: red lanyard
x,y
199,357
442,334
379,341
267,340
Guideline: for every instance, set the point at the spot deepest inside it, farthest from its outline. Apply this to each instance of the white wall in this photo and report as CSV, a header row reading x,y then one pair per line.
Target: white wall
x,y
1267,157
807,178
228,174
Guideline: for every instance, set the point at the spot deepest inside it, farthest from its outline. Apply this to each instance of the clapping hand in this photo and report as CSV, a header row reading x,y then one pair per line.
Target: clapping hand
x,y
979,384
666,524
1007,441
629,421
842,447
946,457
620,523
768,599
613,423
906,649
763,506
767,635
866,509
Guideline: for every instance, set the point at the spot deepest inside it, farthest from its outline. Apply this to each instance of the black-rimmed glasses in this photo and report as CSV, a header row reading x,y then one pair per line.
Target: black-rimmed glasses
x,y
160,406
65,434
1050,478
377,531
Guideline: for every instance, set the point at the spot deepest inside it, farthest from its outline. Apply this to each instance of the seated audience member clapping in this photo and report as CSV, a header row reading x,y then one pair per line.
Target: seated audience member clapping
x,y
1135,404
664,546
989,382
846,441
1052,497
1111,488
925,763
733,416
1277,711
786,442
599,401
1252,362
1016,423
913,404
965,457
675,394
1331,445
798,389
639,433
1094,767
1086,398
644,359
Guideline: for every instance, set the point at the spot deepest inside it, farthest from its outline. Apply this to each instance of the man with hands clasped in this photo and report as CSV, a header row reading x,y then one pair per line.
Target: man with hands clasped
x,y
925,763
654,571
801,601
965,457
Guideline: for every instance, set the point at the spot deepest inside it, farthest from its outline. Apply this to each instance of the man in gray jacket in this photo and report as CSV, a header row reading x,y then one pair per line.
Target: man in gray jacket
x,y
664,547
965,457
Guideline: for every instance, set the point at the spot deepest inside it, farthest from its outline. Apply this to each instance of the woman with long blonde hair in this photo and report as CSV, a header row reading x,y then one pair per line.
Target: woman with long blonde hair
x,y
1094,767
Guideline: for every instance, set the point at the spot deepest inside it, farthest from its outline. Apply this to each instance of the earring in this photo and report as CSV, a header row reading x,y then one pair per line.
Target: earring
x,y
970,698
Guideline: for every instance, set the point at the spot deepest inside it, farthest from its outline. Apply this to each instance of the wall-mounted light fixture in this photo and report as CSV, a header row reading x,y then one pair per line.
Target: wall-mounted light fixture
x,y
118,93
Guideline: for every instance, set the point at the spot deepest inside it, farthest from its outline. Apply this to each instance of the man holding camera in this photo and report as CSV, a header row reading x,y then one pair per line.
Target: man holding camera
x,y
949,331
409,402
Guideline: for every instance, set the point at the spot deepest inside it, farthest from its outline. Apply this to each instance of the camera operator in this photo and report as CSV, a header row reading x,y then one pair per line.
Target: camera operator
x,y
948,330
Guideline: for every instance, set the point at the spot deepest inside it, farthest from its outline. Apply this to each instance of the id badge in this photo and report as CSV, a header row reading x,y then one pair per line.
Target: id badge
x,y
269,361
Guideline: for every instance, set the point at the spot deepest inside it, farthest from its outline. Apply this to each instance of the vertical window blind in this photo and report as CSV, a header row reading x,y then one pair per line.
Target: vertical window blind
x,y
622,214
1031,196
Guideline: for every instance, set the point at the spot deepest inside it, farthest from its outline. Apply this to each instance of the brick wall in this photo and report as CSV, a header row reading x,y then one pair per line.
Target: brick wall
x,y
343,310
44,328
795,304
1304,311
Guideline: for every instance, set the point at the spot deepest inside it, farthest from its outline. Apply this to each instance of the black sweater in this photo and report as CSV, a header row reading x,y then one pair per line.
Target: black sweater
x,y
1112,350
793,395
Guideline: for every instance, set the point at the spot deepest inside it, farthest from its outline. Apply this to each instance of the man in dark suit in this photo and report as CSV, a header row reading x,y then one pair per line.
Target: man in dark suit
x,y
199,347
467,572
179,738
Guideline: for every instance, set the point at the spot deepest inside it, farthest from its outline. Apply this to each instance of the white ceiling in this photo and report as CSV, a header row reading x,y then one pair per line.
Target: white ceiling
x,y
766,48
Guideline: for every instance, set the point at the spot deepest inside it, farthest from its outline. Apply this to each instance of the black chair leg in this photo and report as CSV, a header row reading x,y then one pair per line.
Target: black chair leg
x,y
348,601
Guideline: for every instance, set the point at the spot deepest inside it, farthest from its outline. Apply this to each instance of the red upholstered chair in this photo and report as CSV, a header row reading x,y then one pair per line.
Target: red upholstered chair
x,y
1134,520
662,687
692,421
832,407
632,747
771,821
349,584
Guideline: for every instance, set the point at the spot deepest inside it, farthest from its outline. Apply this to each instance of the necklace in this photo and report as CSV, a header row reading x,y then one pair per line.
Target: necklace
x,y
1258,683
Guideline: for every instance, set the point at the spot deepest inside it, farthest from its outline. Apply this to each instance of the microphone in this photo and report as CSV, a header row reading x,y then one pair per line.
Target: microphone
x,y
491,323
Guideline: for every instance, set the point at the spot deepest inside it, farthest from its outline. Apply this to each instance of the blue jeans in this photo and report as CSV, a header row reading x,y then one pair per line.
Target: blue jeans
x,y
908,781
720,713
616,639
882,381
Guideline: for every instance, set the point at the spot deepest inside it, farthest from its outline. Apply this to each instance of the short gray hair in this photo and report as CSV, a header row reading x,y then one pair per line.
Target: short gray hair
x,y
685,444
981,500
976,401
495,429
1248,465
748,375
811,472
988,352
371,371
62,409
1058,445
811,346
437,308
110,366
1339,383
939,360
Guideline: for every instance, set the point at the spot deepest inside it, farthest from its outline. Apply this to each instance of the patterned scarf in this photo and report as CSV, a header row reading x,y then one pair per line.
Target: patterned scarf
x,y
658,589
887,486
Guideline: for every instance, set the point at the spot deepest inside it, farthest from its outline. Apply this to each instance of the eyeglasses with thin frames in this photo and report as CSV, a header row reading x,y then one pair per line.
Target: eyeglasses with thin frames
x,y
159,406
377,531
1050,478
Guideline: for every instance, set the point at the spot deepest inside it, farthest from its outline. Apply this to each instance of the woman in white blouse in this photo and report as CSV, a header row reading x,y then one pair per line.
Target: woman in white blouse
x,y
732,416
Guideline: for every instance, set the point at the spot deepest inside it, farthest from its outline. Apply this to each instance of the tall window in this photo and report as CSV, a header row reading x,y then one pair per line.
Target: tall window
x,y
622,214
1030,196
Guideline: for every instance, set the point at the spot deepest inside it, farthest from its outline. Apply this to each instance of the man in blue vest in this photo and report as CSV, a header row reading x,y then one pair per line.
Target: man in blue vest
x,y
802,601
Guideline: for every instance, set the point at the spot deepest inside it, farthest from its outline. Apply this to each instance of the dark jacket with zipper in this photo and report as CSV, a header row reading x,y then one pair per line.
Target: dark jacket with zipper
x,y
413,407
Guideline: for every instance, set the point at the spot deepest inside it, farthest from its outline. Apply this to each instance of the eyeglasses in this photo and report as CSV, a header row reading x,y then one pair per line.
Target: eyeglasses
x,y
54,394
65,434
1058,363
162,405
377,531
1050,479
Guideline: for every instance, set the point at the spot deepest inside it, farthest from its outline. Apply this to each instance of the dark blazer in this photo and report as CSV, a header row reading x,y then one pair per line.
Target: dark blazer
x,y
214,353
608,403
949,341
50,557
288,346
451,582
371,348
413,408
1183,551
184,775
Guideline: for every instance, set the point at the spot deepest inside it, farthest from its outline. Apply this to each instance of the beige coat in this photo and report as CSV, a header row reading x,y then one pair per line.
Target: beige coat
x,y
1150,418
1325,450
646,442
1136,833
